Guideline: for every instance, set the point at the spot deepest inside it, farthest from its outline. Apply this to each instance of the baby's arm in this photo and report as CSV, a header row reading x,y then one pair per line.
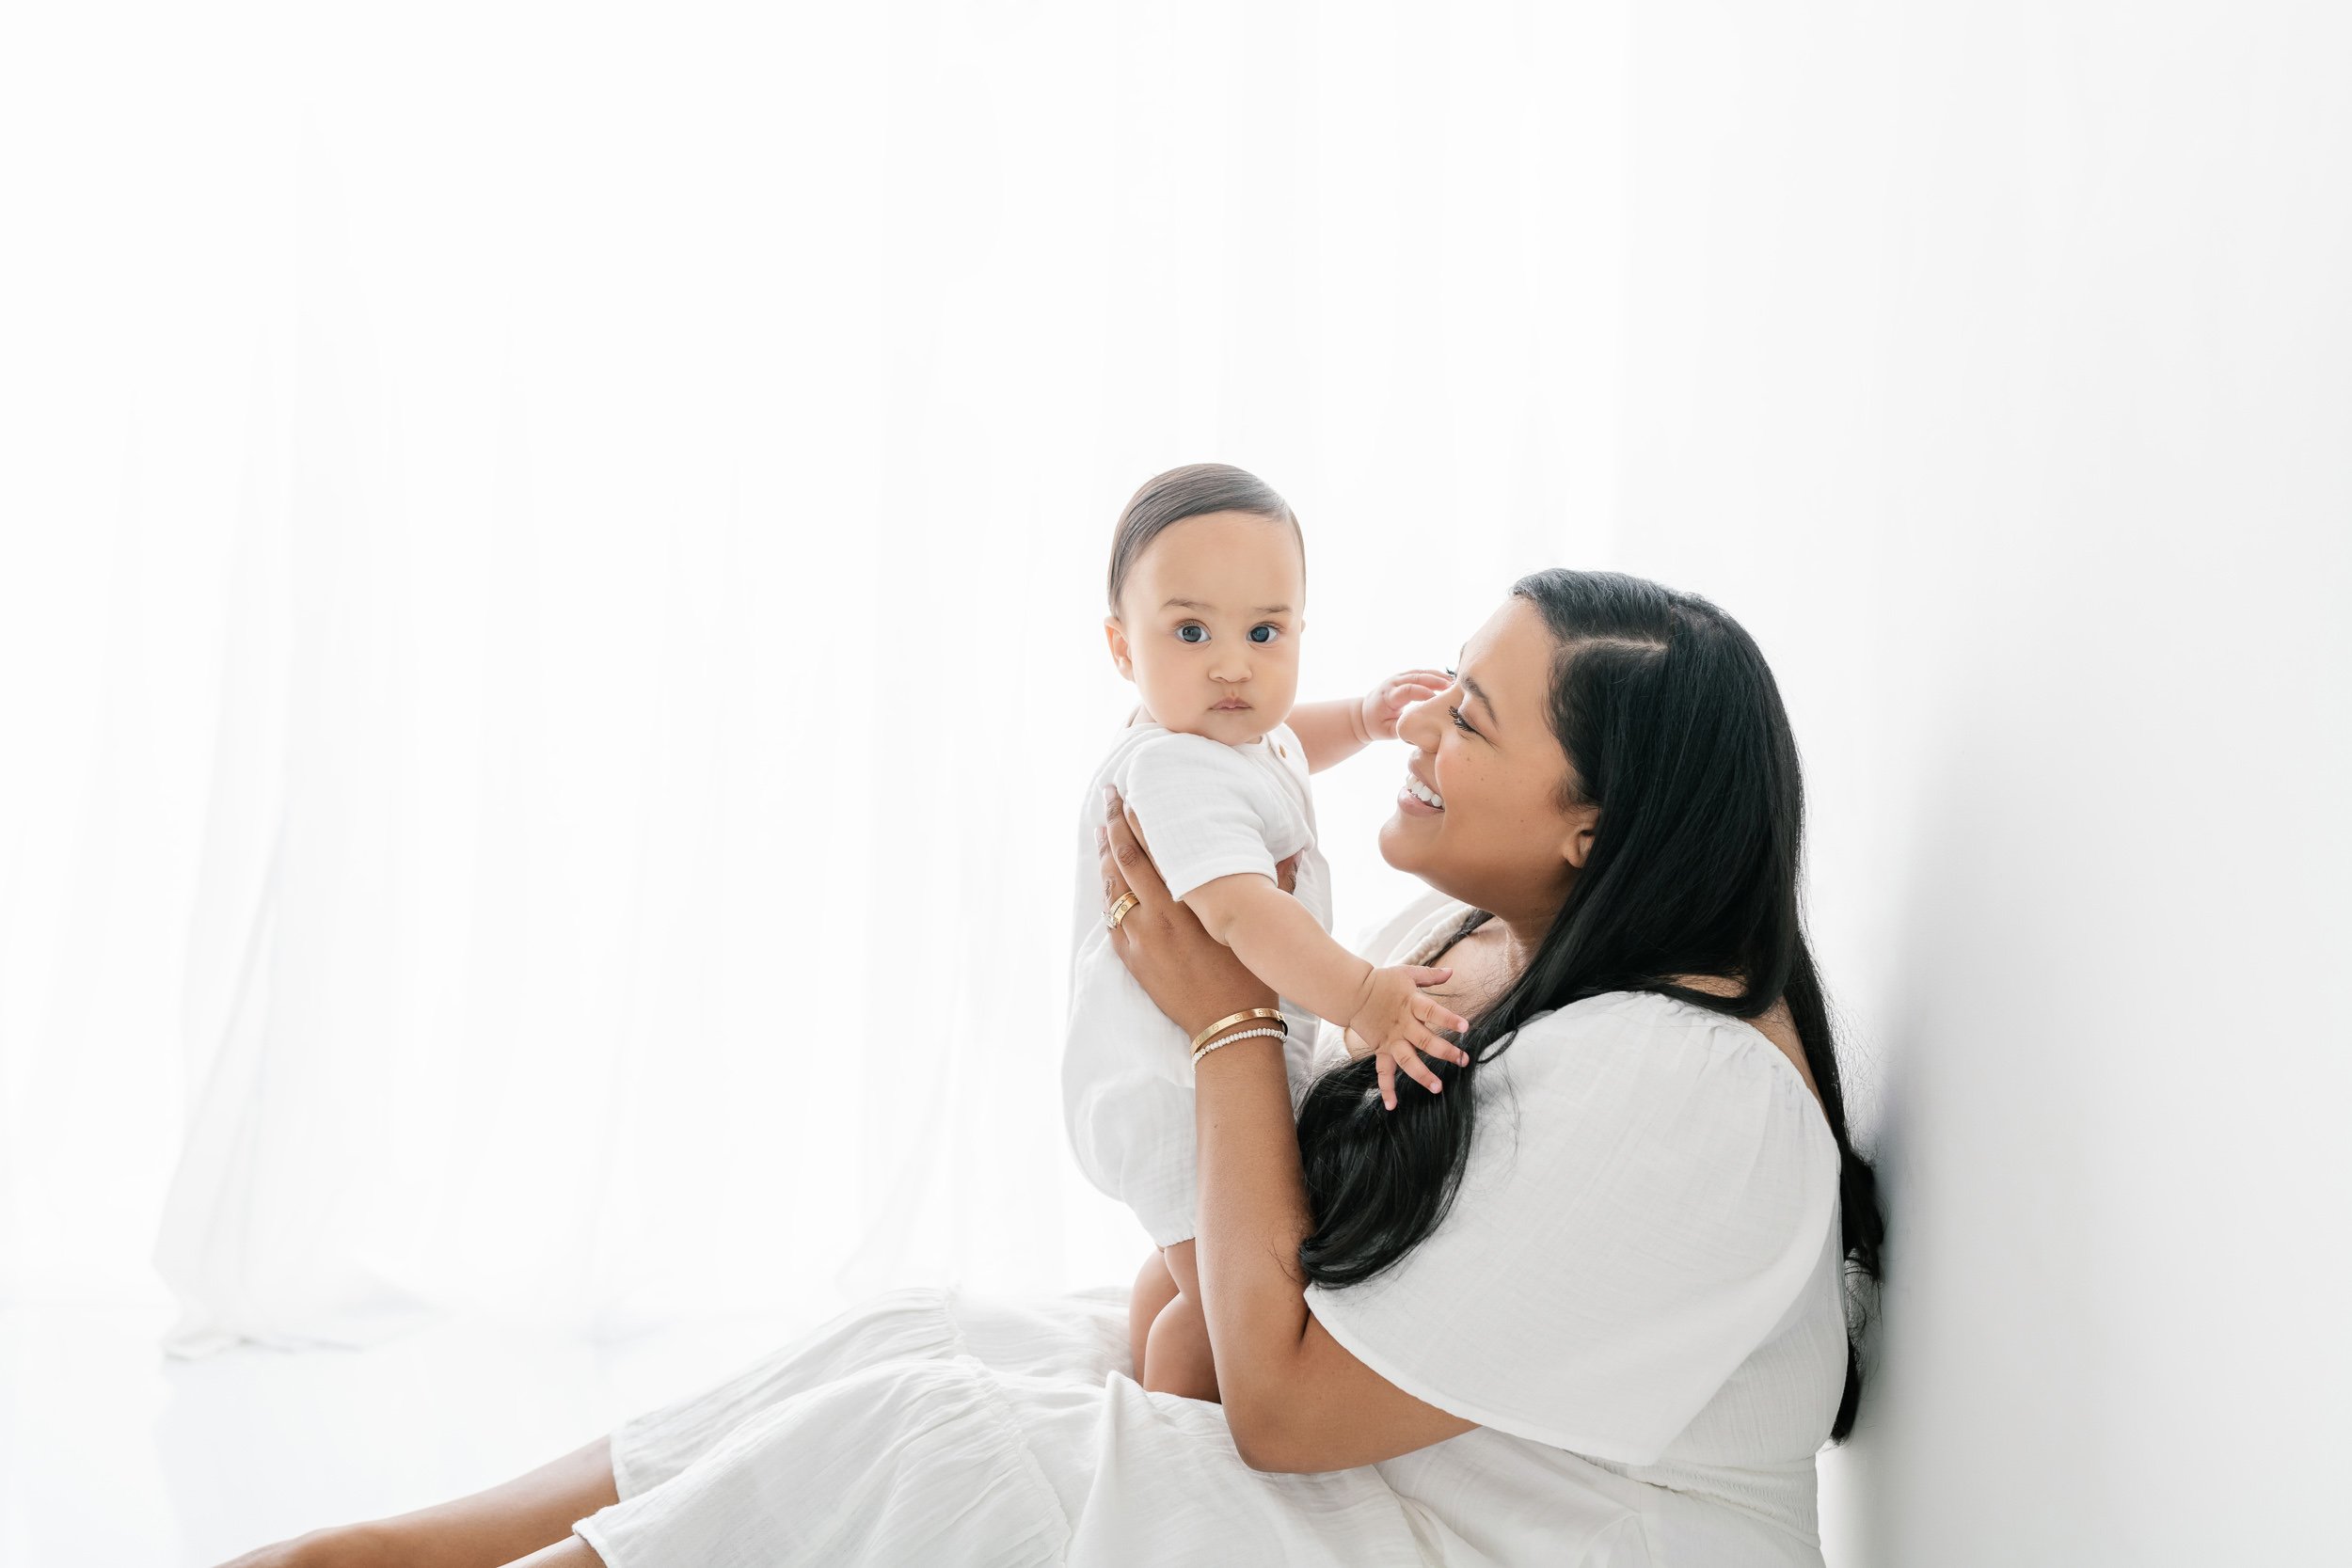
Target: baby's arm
x,y
1282,942
1286,947
1330,733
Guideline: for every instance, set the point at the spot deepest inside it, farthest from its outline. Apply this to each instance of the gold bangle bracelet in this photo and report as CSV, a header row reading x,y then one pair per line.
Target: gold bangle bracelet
x,y
1239,1017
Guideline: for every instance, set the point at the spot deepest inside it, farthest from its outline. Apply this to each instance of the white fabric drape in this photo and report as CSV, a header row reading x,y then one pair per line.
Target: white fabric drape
x,y
551,593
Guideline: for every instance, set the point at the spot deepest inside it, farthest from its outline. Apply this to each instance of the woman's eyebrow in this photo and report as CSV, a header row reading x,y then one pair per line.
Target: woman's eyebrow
x,y
1480,693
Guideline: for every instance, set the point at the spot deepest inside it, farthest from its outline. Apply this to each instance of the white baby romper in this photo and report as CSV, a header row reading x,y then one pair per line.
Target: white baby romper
x,y
1207,810
1637,1290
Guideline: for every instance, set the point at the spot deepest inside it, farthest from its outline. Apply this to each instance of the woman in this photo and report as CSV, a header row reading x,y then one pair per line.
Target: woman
x,y
1577,1299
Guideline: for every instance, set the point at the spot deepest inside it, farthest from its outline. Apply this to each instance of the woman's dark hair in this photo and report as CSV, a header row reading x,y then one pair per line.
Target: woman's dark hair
x,y
1673,725
1192,491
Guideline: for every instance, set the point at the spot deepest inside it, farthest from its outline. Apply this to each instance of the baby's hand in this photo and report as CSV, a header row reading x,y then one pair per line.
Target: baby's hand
x,y
1391,697
1397,1018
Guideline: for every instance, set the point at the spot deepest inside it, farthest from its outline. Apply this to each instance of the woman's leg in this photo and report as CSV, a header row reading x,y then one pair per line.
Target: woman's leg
x,y
528,1519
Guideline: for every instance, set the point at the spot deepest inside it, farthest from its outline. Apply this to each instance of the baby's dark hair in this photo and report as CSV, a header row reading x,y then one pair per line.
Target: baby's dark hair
x,y
1191,491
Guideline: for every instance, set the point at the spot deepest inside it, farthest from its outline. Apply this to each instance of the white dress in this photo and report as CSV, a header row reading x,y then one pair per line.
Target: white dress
x,y
1208,810
1637,1292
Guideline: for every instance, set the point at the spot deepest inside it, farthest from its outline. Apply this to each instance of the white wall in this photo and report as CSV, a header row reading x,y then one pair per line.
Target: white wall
x,y
1990,363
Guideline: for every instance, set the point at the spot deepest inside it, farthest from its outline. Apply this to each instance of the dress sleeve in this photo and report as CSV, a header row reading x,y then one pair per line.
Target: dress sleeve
x,y
1649,1189
1207,812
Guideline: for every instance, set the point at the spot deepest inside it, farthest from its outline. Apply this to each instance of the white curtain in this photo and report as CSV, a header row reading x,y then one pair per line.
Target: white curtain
x,y
550,571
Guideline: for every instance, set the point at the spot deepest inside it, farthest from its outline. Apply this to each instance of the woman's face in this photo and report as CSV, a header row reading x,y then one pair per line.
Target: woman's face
x,y
1500,840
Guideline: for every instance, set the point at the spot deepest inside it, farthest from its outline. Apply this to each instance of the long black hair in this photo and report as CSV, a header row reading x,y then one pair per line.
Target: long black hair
x,y
1673,725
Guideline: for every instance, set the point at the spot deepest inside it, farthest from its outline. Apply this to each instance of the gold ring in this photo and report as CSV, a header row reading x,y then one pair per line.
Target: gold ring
x,y
1119,910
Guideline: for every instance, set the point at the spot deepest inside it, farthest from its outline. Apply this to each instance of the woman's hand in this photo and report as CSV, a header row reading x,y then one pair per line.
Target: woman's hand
x,y
1195,979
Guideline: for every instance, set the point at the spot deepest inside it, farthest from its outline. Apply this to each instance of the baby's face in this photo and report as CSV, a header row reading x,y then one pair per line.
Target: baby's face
x,y
1209,623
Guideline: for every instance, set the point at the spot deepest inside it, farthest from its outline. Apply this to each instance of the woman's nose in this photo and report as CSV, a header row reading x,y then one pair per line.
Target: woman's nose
x,y
1416,725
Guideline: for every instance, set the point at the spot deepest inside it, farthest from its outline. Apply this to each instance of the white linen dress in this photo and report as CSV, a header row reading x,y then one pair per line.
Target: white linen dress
x,y
1208,810
1637,1292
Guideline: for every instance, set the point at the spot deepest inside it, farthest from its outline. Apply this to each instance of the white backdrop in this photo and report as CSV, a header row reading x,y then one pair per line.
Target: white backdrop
x,y
552,592
549,567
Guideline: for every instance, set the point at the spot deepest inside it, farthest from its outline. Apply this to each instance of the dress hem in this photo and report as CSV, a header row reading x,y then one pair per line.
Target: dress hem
x,y
1053,1522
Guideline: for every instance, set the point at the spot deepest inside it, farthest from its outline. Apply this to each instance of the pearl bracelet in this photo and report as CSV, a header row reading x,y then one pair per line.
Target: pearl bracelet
x,y
1238,1035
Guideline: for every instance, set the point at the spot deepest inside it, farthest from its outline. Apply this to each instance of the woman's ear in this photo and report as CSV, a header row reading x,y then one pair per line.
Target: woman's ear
x,y
1578,848
1117,635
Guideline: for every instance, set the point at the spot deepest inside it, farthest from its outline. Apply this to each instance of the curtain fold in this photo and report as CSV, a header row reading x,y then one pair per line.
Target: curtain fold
x,y
579,629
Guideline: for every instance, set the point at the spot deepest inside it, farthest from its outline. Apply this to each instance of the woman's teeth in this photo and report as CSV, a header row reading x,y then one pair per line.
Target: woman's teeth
x,y
1424,793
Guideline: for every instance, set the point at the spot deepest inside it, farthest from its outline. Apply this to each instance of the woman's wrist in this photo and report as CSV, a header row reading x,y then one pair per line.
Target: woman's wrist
x,y
1198,1019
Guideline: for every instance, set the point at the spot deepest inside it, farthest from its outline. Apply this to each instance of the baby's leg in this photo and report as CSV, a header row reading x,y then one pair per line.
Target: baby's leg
x,y
1177,1358
1154,1289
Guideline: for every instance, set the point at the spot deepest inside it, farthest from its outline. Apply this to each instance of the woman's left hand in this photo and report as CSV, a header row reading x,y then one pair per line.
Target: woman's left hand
x,y
1195,979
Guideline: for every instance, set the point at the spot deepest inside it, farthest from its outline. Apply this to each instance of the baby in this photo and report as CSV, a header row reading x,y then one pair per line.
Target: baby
x,y
1207,590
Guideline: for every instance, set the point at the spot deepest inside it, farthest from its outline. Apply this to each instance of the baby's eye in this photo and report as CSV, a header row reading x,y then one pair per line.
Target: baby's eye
x,y
1185,632
1271,633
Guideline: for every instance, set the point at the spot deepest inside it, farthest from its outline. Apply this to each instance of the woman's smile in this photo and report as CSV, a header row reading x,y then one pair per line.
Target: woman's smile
x,y
1416,799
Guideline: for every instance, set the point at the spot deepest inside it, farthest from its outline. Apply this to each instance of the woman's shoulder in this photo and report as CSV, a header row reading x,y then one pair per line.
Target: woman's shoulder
x,y
1646,1045
1625,1236
1639,1015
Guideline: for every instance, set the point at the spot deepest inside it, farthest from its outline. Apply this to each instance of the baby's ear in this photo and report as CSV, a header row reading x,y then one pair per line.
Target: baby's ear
x,y
1117,636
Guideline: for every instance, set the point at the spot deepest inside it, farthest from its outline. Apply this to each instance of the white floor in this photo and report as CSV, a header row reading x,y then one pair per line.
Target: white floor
x,y
114,1455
